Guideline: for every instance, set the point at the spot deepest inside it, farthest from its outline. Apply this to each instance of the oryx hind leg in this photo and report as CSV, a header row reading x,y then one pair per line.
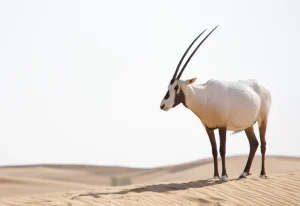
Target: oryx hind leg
x,y
262,125
262,133
253,147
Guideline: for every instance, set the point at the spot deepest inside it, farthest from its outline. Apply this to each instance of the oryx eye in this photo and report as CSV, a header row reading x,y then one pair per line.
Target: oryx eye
x,y
176,88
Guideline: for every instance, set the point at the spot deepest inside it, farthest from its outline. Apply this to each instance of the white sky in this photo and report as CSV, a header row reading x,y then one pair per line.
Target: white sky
x,y
81,81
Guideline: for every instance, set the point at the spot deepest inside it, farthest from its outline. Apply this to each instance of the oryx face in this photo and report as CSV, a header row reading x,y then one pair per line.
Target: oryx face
x,y
172,97
175,95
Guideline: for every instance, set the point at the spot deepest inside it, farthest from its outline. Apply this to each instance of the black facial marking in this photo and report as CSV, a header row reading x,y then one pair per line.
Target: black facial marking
x,y
176,87
167,95
179,98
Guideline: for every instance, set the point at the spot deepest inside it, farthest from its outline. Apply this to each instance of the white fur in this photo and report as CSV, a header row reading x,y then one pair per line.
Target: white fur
x,y
244,174
235,105
223,178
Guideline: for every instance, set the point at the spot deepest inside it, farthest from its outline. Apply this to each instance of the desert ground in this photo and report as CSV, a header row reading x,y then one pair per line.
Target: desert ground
x,y
183,184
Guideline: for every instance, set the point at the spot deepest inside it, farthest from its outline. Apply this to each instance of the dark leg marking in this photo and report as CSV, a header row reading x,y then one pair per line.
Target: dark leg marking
x,y
253,147
214,150
222,134
262,134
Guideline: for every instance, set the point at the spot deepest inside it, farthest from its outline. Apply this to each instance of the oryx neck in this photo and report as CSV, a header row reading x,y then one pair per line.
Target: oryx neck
x,y
194,94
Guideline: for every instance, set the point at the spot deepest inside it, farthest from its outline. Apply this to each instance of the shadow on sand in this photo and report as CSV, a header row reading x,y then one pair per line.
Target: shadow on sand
x,y
157,188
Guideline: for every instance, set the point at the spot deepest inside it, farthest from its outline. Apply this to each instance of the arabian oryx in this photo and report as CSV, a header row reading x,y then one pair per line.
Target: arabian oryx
x,y
223,105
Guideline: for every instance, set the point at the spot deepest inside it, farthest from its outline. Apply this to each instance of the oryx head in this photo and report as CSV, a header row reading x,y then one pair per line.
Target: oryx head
x,y
174,95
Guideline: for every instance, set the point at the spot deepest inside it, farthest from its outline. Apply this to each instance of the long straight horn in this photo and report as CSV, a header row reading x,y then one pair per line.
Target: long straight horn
x,y
184,66
175,74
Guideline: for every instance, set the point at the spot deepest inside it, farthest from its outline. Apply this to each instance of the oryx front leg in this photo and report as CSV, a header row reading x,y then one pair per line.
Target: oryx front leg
x,y
253,147
222,134
214,150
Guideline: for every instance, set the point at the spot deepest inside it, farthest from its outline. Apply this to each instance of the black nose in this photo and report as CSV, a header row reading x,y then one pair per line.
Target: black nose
x,y
162,106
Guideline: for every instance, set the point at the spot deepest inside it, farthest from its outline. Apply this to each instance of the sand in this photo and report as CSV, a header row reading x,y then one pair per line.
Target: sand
x,y
184,184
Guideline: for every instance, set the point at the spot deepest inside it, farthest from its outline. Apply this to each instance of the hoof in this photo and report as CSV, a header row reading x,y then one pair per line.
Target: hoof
x,y
216,177
223,178
263,176
244,175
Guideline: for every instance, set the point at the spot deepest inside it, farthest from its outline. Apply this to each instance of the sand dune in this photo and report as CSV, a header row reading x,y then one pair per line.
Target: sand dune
x,y
274,190
186,184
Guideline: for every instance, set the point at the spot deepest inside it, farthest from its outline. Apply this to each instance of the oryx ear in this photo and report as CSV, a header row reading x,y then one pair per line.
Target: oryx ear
x,y
190,81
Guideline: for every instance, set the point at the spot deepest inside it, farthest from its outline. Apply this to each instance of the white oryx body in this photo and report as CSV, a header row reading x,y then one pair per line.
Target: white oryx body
x,y
223,105
235,105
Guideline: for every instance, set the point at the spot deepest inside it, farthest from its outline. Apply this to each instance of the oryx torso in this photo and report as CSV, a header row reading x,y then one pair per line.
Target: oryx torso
x,y
235,105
